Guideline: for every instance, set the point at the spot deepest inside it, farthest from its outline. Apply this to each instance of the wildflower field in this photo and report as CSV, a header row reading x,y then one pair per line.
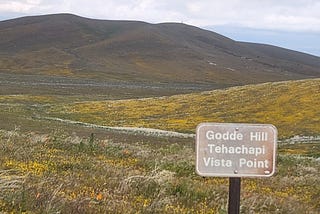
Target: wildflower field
x,y
56,172
49,166
292,106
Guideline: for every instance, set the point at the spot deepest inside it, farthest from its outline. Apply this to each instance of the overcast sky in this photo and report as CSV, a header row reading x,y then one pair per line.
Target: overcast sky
x,y
247,20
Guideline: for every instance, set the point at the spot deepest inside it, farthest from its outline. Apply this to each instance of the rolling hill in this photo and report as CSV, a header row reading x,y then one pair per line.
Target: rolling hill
x,y
65,80
75,47
292,106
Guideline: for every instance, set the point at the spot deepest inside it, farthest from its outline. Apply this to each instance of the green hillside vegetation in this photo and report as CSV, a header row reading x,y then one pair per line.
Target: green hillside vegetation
x,y
292,106
70,46
65,80
47,166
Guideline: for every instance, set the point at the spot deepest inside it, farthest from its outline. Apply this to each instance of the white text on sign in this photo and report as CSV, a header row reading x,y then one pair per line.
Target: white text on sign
x,y
235,149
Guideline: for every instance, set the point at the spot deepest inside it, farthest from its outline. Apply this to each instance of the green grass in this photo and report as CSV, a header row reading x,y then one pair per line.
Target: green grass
x,y
292,106
310,149
46,170
58,172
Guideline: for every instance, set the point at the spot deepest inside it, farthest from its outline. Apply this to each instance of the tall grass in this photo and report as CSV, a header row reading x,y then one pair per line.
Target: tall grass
x,y
62,173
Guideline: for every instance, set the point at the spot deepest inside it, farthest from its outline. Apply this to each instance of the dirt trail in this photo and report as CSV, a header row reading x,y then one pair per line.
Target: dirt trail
x,y
130,130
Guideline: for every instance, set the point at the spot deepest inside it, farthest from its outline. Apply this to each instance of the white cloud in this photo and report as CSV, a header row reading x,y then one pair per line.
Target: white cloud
x,y
15,6
292,23
294,15
21,6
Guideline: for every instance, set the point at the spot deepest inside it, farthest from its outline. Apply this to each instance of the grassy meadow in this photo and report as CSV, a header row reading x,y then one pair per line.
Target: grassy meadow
x,y
56,172
54,167
293,107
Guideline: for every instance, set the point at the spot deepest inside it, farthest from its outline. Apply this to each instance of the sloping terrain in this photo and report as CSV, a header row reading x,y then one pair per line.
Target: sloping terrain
x,y
292,106
52,166
65,79
75,47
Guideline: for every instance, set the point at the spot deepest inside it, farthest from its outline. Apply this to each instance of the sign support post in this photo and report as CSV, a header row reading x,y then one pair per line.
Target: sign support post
x,y
234,195
235,150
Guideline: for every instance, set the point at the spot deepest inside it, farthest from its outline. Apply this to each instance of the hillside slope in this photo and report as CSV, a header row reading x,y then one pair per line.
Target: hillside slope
x,y
292,106
72,46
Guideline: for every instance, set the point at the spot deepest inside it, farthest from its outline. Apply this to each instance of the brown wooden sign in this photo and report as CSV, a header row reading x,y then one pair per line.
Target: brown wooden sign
x,y
236,149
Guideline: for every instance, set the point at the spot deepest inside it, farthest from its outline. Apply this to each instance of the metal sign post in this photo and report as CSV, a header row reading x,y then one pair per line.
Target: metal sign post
x,y
235,150
234,195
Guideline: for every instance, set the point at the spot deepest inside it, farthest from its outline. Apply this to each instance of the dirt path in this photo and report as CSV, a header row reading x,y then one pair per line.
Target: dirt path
x,y
130,130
